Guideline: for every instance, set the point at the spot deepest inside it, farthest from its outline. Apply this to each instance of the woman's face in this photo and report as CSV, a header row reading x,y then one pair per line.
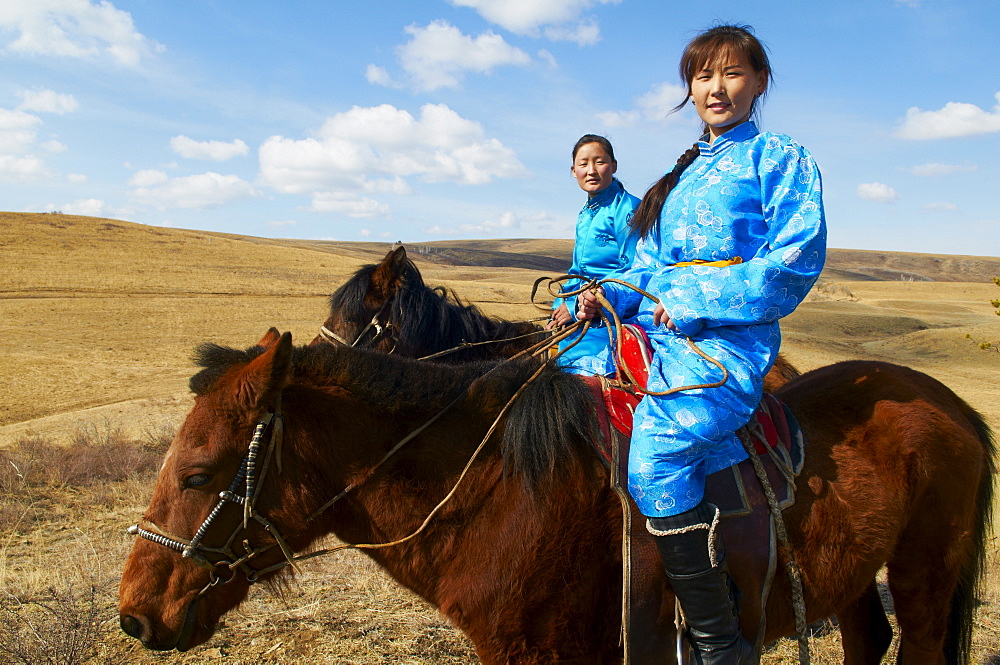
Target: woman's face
x,y
723,92
593,168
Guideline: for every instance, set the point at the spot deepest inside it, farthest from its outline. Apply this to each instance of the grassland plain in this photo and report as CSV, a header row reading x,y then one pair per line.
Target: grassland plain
x,y
98,319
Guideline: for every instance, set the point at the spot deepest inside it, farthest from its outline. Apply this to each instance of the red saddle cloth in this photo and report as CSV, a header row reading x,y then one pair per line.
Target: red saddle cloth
x,y
634,353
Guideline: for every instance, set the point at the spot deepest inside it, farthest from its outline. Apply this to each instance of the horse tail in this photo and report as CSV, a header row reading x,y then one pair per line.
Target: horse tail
x,y
549,429
961,619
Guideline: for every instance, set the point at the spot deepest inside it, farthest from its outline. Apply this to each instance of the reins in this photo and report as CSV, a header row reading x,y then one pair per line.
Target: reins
x,y
614,325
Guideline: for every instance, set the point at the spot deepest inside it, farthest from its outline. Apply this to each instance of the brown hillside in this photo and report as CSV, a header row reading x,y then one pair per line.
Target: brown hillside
x,y
100,312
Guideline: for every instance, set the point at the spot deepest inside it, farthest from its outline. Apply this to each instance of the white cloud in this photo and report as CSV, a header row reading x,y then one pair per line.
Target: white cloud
x,y
526,17
584,33
53,146
76,177
349,205
19,133
86,207
546,56
954,119
205,190
375,149
507,224
75,29
439,55
654,105
935,169
148,178
379,76
940,206
218,151
877,192
21,167
47,101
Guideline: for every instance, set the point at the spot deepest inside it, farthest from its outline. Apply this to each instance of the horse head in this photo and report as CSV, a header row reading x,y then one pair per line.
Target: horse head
x,y
360,313
209,532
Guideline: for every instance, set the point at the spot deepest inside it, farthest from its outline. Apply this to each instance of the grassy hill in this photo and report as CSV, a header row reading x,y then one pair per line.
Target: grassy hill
x,y
98,321
100,311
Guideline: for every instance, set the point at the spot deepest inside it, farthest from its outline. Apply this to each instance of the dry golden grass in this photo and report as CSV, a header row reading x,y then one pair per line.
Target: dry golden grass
x,y
100,317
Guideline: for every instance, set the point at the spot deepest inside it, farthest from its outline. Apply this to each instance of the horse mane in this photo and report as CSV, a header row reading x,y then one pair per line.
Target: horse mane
x,y
553,422
430,317
548,429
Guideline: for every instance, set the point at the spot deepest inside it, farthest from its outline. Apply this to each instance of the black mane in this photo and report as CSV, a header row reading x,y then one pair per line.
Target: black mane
x,y
551,422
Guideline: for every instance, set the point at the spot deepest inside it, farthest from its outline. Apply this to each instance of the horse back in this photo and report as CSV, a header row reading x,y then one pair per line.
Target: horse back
x,y
896,464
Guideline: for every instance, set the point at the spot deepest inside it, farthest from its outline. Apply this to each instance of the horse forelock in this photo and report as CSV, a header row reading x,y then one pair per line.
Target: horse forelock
x,y
349,300
215,361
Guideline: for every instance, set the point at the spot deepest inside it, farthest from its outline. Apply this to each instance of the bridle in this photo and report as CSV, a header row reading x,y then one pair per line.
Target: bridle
x,y
248,479
381,329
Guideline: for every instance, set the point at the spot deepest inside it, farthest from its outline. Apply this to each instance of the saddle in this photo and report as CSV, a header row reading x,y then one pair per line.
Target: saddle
x,y
747,525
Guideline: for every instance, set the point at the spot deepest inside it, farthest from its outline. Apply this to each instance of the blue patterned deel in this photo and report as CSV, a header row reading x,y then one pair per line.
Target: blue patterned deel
x,y
750,196
604,245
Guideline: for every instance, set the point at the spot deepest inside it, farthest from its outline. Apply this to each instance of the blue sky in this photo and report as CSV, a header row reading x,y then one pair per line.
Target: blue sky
x,y
415,121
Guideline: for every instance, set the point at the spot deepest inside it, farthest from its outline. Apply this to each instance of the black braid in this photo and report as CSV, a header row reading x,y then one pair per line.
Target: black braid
x,y
647,215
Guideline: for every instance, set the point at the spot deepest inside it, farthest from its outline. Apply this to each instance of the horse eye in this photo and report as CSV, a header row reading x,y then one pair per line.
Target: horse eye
x,y
197,480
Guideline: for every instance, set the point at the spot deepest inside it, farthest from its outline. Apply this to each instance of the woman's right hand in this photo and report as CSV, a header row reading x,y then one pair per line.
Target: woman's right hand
x,y
587,304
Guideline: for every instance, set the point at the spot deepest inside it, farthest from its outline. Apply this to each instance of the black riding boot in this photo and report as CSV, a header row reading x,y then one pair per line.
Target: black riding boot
x,y
695,562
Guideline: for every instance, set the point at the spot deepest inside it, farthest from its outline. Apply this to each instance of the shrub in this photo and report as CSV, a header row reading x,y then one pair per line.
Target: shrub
x,y
57,627
35,466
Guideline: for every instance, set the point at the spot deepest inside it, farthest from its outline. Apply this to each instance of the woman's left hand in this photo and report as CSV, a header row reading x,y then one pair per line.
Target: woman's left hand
x,y
660,317
560,317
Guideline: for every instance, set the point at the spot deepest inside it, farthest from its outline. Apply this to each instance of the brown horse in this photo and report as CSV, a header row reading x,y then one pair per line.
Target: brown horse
x,y
387,307
524,557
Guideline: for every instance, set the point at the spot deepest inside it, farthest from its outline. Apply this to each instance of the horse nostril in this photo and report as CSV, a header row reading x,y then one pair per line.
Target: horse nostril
x,y
132,626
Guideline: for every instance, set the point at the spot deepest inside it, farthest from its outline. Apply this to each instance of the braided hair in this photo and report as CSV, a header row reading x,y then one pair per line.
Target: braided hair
x,y
647,215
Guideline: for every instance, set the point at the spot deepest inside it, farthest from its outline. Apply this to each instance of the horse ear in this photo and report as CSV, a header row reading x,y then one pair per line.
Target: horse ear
x,y
269,338
267,374
389,273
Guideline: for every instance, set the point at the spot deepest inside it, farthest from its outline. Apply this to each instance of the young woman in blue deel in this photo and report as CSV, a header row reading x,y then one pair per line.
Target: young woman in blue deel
x,y
753,201
605,244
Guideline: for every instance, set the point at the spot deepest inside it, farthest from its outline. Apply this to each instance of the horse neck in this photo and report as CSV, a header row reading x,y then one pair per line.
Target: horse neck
x,y
340,440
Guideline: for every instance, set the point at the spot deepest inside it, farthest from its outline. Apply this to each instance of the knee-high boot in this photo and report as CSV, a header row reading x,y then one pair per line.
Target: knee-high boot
x,y
695,561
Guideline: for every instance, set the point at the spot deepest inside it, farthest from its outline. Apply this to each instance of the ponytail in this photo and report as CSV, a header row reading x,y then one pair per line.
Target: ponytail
x,y
647,215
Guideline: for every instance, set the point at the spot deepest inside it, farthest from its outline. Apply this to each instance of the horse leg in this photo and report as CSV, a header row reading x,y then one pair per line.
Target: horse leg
x,y
922,591
865,632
